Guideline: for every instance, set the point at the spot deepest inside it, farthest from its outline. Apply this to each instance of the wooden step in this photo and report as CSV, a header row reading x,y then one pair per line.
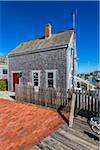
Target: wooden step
x,y
54,144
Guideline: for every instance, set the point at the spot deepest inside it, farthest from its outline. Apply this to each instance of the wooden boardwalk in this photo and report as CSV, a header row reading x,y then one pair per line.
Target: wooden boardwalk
x,y
80,137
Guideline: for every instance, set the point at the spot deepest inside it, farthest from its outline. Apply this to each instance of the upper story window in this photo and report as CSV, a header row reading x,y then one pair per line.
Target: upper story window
x,y
72,51
51,78
5,71
36,78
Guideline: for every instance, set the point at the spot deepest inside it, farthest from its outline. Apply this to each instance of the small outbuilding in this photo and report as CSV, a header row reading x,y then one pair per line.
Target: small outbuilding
x,y
49,61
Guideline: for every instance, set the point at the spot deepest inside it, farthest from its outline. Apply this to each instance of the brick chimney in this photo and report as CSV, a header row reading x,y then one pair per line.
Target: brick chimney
x,y
48,30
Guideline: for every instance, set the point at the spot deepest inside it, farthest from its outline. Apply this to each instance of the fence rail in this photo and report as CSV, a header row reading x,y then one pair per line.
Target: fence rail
x,y
85,100
88,100
45,97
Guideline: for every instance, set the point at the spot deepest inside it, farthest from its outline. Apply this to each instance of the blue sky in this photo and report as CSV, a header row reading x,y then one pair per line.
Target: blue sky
x,y
21,21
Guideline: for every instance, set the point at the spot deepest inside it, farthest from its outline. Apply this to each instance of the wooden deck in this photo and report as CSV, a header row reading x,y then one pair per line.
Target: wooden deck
x,y
80,137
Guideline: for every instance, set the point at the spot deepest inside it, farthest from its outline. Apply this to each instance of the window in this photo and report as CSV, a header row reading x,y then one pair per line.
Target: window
x,y
72,51
36,78
50,78
78,84
4,71
0,71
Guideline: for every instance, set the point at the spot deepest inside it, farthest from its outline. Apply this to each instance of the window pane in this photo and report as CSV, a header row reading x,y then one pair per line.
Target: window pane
x,y
35,80
50,75
4,71
35,83
50,83
71,51
35,75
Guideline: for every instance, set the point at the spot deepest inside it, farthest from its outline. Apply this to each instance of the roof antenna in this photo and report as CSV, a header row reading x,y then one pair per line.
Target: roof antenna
x,y
74,19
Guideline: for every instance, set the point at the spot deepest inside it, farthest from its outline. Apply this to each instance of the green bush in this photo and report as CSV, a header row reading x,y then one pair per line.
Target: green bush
x,y
3,85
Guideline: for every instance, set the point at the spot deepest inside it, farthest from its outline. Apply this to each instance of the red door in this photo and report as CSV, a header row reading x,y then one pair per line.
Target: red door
x,y
15,80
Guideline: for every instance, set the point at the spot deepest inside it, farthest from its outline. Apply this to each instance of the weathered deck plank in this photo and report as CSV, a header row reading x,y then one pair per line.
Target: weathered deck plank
x,y
70,138
80,134
54,144
79,140
68,142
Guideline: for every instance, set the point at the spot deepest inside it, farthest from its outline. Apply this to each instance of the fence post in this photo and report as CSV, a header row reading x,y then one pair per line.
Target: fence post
x,y
45,92
72,108
16,92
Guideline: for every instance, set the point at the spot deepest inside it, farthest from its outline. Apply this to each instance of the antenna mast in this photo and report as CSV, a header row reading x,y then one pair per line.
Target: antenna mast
x,y
74,19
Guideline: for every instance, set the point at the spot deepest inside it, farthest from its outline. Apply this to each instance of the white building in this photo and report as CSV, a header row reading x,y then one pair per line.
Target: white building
x,y
3,68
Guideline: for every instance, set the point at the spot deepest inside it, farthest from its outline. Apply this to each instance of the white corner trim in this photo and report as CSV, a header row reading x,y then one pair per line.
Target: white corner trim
x,y
71,40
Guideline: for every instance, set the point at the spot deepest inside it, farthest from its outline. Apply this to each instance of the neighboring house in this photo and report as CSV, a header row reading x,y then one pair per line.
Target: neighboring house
x,y
45,62
97,73
3,68
92,78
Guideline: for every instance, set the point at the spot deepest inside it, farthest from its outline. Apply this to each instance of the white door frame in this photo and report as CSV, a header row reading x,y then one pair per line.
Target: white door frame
x,y
12,72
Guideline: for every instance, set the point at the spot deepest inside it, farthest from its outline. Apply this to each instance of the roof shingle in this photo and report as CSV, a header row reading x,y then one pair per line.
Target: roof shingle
x,y
58,39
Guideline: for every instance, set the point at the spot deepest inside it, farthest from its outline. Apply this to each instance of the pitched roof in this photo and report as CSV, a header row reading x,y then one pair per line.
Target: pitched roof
x,y
3,60
57,39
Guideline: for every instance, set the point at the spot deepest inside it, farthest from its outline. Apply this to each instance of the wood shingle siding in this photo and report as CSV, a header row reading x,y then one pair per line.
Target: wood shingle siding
x,y
40,61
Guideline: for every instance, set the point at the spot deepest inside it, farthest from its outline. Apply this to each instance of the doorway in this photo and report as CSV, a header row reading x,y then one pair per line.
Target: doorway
x,y
16,77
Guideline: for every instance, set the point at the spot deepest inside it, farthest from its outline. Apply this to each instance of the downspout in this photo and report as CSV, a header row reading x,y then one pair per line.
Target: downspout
x,y
74,62
67,68
8,73
73,72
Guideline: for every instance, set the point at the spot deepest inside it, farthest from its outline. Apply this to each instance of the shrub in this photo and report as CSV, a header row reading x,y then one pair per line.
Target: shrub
x,y
3,85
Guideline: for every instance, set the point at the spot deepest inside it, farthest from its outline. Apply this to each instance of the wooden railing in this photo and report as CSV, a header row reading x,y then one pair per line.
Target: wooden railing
x,y
88,100
85,100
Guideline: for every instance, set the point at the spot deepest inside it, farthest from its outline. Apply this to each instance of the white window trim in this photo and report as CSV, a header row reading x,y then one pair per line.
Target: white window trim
x,y
36,71
1,71
54,77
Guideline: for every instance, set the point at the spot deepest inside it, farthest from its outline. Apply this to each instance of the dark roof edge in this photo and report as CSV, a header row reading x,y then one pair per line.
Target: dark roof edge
x,y
42,37
37,51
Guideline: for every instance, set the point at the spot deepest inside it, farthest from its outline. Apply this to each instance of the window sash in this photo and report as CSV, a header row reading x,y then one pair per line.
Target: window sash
x,y
50,83
36,83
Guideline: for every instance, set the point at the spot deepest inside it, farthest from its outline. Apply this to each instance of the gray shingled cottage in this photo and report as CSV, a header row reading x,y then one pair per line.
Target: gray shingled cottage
x,y
44,62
